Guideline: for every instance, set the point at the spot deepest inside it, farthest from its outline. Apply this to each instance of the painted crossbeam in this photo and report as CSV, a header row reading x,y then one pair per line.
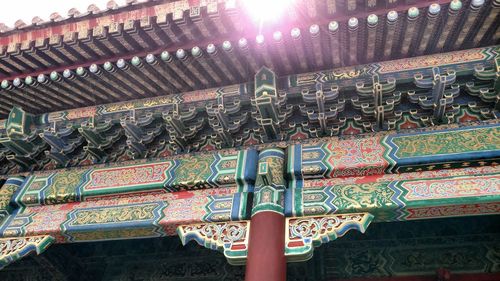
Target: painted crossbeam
x,y
394,153
126,216
408,196
233,168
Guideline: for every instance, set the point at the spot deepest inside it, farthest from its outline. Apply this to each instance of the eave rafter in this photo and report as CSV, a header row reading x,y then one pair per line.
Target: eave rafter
x,y
393,95
204,62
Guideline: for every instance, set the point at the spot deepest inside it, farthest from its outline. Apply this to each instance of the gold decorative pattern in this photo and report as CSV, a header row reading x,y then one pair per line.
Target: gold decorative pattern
x,y
13,249
303,234
63,189
115,214
479,139
231,238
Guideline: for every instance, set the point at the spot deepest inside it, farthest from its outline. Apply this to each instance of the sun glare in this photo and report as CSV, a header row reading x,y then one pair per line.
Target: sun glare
x,y
267,10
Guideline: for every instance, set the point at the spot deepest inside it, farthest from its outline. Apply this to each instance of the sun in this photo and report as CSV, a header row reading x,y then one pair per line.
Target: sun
x,y
266,10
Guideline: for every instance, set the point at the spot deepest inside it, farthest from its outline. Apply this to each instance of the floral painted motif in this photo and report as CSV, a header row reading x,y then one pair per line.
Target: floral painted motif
x,y
113,234
342,158
225,169
453,211
432,60
356,157
401,197
109,219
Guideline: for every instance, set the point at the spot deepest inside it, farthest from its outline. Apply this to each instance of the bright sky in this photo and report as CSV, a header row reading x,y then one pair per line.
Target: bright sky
x,y
12,10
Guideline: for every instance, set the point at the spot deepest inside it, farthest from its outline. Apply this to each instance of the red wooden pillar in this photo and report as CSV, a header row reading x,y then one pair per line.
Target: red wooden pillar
x,y
266,253
266,250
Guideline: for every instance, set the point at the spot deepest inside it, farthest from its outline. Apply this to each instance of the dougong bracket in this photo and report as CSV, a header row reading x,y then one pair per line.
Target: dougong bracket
x,y
377,102
271,109
486,86
436,93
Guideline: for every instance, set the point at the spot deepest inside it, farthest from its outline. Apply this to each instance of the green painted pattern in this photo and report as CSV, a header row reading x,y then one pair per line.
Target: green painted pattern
x,y
418,198
269,194
448,142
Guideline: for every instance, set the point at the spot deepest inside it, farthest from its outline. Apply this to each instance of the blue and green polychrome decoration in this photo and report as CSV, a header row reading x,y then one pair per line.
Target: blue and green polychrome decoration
x,y
6,192
235,169
392,200
112,222
327,179
232,207
270,184
451,147
394,153
401,70
13,249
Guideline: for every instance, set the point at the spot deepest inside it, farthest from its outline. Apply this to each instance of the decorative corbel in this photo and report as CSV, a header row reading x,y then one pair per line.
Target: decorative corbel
x,y
305,233
231,238
15,248
302,235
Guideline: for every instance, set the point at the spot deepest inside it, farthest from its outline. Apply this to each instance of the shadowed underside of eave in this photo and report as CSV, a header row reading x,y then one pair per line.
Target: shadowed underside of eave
x,y
405,249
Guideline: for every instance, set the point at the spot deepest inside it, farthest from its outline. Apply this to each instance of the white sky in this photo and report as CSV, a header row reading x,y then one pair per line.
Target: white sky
x,y
12,10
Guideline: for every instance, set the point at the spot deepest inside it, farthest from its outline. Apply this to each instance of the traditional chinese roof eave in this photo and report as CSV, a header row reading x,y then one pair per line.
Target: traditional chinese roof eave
x,y
93,12
286,52
15,53
395,95
166,74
